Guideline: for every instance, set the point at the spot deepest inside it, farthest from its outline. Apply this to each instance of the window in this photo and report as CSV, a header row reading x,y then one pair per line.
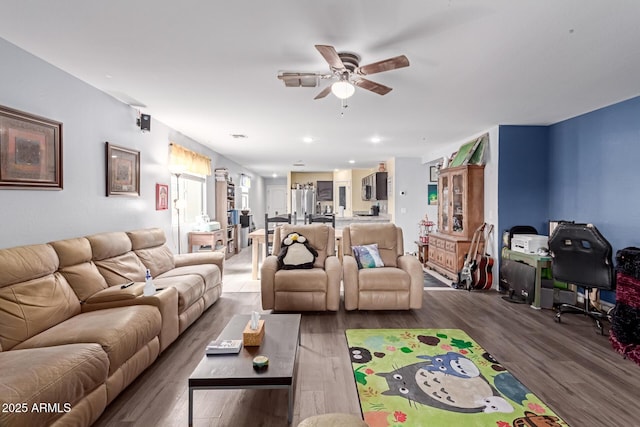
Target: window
x,y
190,197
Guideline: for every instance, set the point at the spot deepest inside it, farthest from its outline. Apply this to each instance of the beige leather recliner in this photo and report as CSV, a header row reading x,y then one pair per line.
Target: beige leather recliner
x,y
315,289
396,286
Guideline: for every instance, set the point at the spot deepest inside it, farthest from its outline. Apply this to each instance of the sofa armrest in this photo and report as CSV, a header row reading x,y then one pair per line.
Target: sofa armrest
x,y
333,268
166,300
350,280
267,282
412,266
115,294
213,257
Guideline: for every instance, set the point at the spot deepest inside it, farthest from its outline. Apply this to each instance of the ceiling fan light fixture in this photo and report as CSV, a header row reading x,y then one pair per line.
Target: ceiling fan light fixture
x,y
343,89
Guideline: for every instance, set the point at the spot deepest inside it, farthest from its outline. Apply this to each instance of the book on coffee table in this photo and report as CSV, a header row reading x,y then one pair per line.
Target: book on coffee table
x,y
224,347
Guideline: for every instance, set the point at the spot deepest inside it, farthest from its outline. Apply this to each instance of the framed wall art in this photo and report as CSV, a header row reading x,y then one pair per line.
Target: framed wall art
x,y
162,197
433,174
123,171
30,151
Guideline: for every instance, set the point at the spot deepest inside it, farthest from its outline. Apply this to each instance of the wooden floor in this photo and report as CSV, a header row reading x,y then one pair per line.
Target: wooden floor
x,y
569,366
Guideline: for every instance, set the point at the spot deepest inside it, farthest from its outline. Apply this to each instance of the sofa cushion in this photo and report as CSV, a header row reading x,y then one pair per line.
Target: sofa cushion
x,y
158,259
109,245
121,332
367,256
308,280
210,273
190,288
78,268
384,234
150,246
62,374
32,296
24,263
115,259
383,279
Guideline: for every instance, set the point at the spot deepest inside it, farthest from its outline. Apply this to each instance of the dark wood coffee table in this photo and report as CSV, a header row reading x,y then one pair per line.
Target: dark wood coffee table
x,y
233,371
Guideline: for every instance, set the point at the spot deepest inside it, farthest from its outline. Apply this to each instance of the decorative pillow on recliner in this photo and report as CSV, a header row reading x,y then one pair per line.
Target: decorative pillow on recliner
x,y
296,253
367,256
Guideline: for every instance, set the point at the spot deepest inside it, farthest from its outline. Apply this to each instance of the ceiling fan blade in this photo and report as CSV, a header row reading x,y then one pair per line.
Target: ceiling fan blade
x,y
385,65
299,79
326,91
331,56
378,88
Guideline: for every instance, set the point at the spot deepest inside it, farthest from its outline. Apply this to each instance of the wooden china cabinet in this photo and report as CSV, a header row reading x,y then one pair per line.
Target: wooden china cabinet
x,y
460,213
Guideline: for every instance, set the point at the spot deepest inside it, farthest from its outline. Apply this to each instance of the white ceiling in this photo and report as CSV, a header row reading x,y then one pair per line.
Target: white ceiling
x,y
208,68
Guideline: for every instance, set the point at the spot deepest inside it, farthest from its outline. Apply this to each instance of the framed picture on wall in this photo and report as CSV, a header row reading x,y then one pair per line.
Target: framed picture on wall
x,y
123,171
432,194
433,174
30,151
162,197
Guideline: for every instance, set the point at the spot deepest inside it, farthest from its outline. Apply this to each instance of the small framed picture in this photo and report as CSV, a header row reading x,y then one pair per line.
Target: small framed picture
x,y
433,174
123,171
162,197
30,151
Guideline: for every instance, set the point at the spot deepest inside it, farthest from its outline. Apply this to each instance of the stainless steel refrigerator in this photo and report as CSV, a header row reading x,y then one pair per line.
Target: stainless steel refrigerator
x,y
303,201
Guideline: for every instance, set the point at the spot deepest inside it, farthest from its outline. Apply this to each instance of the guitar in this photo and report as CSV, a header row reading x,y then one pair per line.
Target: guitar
x,y
465,276
482,276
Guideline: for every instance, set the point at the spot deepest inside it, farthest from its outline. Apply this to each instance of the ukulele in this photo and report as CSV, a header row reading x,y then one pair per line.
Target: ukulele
x,y
482,276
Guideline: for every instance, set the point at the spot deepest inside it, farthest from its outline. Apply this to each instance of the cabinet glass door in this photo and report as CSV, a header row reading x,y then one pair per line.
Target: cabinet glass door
x,y
443,205
457,205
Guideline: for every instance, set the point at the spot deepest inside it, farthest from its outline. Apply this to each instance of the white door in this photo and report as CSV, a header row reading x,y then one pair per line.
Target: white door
x,y
342,197
276,200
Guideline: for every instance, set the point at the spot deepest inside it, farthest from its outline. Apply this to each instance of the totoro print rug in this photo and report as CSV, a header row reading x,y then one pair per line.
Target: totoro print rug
x,y
438,378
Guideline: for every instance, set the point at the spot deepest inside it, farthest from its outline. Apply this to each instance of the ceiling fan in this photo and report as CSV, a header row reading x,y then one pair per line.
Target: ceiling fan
x,y
346,70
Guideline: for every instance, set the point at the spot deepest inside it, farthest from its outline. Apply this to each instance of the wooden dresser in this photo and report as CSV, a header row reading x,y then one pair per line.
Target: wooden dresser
x,y
460,213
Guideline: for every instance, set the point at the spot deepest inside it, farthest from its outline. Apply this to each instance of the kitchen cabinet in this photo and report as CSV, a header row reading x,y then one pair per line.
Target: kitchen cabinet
x,y
460,213
325,191
374,186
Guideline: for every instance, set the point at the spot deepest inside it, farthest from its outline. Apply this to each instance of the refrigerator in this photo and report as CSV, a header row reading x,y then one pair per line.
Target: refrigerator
x,y
302,201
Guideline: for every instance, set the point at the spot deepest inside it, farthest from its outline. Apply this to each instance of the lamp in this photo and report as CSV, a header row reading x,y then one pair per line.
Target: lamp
x,y
178,203
343,89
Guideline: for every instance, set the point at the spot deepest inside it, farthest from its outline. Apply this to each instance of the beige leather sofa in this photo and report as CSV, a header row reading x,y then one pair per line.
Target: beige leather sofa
x,y
315,289
71,339
396,286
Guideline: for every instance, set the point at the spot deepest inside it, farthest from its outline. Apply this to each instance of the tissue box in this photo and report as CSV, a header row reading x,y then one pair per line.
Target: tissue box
x,y
251,338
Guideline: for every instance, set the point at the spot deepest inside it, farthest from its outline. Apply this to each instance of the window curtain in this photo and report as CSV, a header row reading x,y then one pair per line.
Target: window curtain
x,y
183,160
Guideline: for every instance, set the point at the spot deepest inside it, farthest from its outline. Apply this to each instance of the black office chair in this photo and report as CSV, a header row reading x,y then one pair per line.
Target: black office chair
x,y
270,223
582,257
326,218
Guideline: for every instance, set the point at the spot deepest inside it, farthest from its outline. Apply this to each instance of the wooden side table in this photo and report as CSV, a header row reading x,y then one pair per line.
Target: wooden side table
x,y
423,252
206,238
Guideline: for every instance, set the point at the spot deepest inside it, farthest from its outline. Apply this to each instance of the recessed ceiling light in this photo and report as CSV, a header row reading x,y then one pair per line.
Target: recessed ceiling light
x,y
307,139
352,161
274,175
375,139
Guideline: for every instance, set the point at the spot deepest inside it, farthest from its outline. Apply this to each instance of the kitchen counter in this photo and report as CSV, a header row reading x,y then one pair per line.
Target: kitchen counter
x,y
343,221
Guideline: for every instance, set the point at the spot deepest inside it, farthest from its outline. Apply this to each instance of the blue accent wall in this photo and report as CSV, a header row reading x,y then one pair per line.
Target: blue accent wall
x,y
523,177
593,172
594,169
582,169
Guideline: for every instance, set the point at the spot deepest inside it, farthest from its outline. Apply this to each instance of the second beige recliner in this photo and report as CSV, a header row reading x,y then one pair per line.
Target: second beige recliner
x,y
314,289
396,286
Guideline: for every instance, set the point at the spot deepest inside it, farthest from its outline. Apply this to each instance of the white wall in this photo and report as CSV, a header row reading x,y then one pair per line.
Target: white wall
x,y
90,118
408,200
